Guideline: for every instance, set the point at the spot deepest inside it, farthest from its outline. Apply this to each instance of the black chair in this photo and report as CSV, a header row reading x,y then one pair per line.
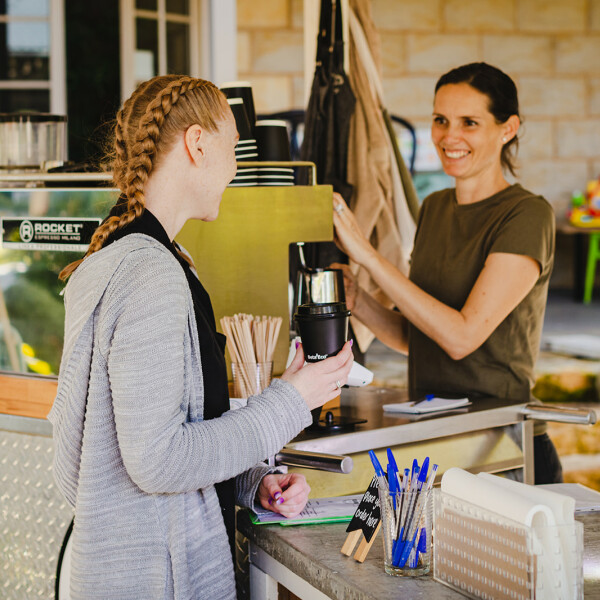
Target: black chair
x,y
413,134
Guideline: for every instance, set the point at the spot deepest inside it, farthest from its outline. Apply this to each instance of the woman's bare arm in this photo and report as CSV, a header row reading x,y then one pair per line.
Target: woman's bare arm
x,y
503,282
389,326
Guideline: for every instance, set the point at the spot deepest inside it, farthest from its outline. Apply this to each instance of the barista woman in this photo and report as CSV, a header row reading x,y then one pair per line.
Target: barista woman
x,y
147,452
471,310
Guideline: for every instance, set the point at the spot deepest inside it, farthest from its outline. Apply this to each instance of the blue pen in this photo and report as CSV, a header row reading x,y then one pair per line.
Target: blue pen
x,y
413,530
401,511
413,473
381,479
393,483
423,473
402,550
392,460
403,501
420,548
407,505
393,475
421,479
406,480
422,545
392,480
408,483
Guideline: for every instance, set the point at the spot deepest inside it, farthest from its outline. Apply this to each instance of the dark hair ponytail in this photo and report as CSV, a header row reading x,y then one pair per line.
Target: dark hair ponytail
x,y
501,92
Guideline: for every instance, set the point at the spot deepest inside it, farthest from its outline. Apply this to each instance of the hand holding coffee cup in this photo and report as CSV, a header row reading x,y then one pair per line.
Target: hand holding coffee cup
x,y
323,328
320,382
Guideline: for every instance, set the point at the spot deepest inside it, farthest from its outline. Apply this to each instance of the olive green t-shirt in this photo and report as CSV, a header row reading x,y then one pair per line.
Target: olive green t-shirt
x,y
451,246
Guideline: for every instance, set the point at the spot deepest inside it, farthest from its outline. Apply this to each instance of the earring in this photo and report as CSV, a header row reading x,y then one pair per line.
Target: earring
x,y
504,140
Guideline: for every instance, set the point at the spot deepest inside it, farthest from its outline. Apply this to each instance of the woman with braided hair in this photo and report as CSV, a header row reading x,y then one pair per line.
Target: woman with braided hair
x,y
142,428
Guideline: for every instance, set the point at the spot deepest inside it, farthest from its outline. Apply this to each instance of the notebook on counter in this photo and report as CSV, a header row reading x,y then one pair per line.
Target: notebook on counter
x,y
432,404
317,510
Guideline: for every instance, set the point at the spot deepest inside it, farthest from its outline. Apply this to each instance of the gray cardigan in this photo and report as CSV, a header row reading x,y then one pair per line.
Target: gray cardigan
x,y
132,453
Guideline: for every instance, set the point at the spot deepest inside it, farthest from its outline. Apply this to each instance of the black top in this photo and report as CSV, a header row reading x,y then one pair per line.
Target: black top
x,y
212,345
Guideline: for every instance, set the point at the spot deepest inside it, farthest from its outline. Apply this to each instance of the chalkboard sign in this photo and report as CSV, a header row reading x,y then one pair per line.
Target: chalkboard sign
x,y
368,514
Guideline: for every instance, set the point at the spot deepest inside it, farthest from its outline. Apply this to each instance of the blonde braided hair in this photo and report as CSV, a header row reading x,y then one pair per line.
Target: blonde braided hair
x,y
146,128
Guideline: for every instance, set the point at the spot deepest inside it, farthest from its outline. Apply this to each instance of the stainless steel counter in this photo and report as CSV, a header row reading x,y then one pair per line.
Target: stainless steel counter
x,y
490,435
307,561
384,429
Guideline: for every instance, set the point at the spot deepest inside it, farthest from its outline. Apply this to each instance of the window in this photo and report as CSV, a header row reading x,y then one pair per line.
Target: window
x,y
32,58
196,37
158,37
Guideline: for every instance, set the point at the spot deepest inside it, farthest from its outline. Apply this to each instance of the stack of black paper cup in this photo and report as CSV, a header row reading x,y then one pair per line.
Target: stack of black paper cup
x,y
243,90
241,101
245,149
273,144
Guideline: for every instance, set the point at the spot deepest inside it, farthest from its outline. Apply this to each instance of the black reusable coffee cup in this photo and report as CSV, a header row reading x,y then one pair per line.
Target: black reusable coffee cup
x,y
323,329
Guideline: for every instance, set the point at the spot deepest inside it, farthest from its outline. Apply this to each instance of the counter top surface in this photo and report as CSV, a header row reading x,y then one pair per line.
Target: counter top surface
x,y
382,428
313,553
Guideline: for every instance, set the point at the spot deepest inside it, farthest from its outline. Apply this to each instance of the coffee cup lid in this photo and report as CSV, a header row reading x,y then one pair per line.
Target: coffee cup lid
x,y
327,309
271,123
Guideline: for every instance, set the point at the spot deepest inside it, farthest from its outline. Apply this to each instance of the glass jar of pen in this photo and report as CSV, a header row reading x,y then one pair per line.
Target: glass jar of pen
x,y
406,506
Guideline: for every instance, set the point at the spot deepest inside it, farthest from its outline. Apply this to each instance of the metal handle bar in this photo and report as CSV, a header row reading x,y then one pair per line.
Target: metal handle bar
x,y
559,414
314,460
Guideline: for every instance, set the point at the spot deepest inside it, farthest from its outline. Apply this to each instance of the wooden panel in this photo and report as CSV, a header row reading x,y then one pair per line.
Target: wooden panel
x,y
27,396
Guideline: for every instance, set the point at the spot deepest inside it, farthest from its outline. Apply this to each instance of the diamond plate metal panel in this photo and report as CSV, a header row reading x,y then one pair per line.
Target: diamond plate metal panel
x,y
34,517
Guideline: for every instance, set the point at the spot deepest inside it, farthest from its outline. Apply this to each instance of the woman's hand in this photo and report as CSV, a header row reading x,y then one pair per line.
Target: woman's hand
x,y
351,287
320,382
348,236
284,494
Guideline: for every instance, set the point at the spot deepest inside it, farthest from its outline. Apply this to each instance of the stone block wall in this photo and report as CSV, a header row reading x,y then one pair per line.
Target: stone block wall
x,y
550,47
271,52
